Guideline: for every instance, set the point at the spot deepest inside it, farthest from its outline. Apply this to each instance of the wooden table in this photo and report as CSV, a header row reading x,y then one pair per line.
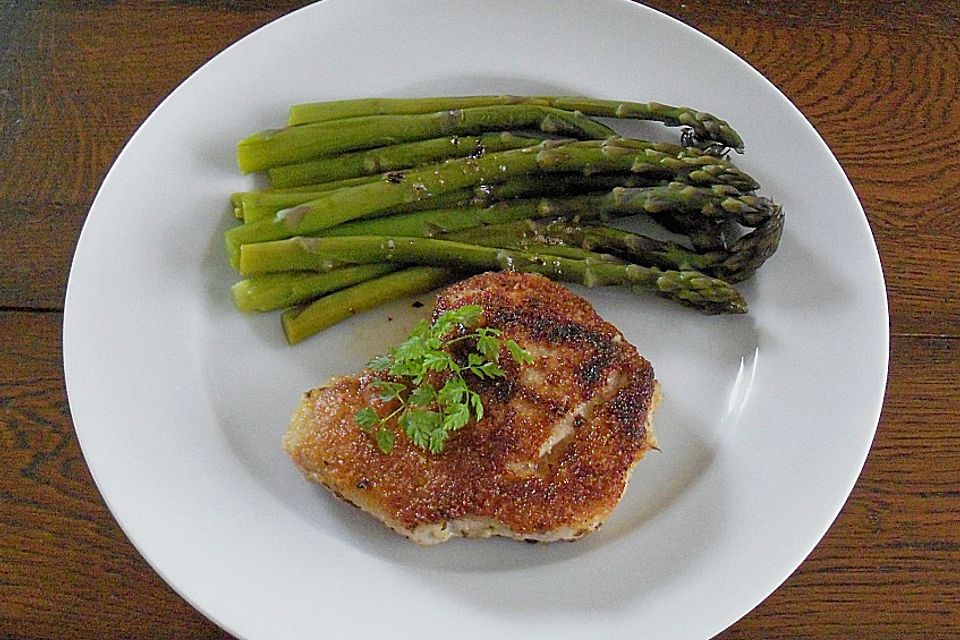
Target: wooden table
x,y
880,82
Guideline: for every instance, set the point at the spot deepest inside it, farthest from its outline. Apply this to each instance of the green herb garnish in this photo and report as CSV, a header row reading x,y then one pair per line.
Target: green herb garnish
x,y
428,415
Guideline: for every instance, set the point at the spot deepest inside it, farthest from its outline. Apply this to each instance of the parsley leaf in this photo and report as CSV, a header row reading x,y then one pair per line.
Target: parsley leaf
x,y
426,415
385,440
452,392
367,418
423,396
489,347
438,361
389,390
380,363
518,353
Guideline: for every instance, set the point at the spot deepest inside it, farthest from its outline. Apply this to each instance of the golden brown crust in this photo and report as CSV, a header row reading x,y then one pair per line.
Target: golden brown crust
x,y
553,452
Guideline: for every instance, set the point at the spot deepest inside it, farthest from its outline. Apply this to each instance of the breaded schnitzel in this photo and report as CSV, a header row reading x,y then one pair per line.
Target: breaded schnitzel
x,y
552,454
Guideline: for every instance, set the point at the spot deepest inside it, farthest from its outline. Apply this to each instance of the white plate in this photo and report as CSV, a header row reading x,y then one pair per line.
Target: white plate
x,y
180,402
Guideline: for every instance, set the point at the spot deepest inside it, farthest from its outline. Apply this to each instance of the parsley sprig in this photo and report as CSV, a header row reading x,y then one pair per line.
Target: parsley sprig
x,y
427,415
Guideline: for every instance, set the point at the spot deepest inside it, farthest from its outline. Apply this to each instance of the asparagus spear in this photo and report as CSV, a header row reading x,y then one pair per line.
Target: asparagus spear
x,y
542,236
436,222
717,202
253,205
620,145
393,157
257,205
624,155
748,253
286,289
690,288
324,186
736,264
276,147
337,109
703,235
429,181
302,322
707,129
528,186
701,214
290,254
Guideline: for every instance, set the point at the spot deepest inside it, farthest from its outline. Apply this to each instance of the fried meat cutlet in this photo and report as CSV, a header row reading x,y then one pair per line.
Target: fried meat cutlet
x,y
550,458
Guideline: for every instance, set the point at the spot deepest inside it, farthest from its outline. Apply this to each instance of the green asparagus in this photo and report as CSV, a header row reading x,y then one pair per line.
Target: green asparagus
x,y
748,253
301,322
373,200
394,157
436,222
555,185
253,205
277,290
690,288
429,181
273,291
257,205
277,147
735,264
707,129
618,154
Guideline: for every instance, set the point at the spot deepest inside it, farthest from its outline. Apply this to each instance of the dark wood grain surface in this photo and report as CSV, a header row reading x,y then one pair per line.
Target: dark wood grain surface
x,y
879,80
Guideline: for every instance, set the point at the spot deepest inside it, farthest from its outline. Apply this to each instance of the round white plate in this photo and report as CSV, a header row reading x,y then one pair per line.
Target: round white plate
x,y
179,401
